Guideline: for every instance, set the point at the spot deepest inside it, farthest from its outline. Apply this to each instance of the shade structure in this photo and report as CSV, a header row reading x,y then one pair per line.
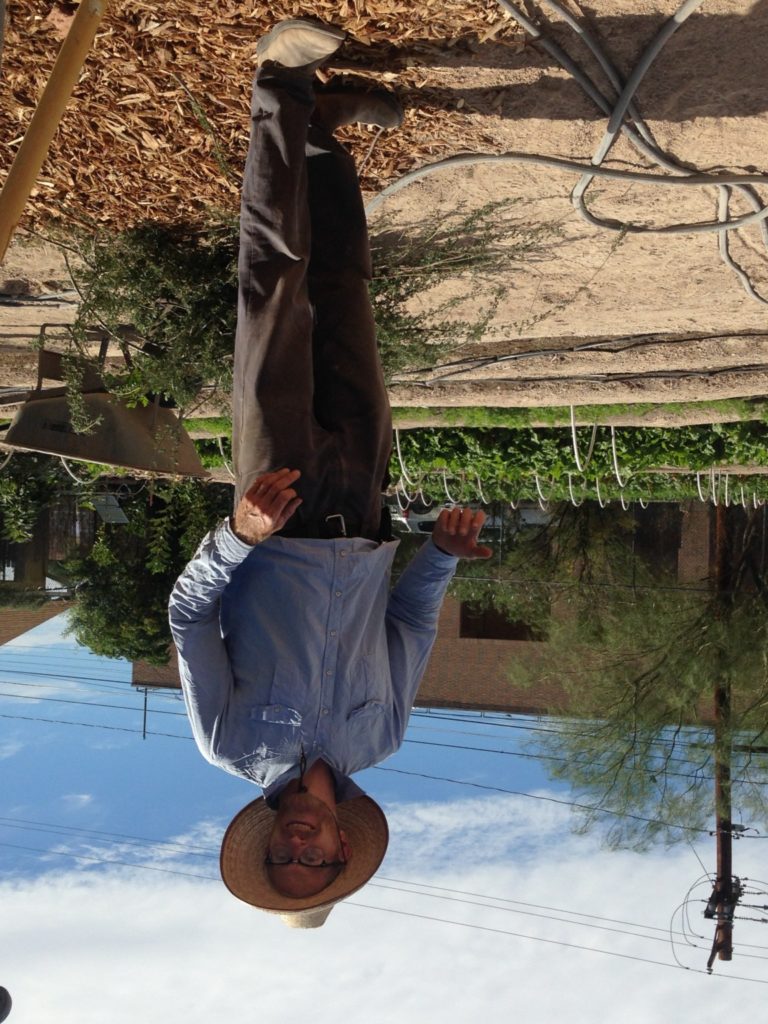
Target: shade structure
x,y
145,438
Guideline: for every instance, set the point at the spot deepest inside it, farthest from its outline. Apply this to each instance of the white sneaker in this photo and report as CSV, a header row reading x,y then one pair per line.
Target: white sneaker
x,y
299,44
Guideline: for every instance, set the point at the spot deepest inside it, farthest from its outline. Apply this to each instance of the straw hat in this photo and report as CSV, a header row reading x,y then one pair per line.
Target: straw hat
x,y
244,849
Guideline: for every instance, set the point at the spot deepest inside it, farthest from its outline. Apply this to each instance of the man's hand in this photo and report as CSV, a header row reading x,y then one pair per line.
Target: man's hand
x,y
456,533
266,506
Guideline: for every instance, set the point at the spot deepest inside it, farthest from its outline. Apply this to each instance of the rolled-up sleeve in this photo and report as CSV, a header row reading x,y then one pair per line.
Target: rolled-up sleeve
x,y
194,605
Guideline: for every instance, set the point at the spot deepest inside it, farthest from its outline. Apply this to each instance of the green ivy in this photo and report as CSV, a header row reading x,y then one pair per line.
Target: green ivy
x,y
504,462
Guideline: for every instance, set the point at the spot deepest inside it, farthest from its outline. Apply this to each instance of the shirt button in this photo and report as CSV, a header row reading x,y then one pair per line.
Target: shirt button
x,y
328,672
338,593
325,711
343,554
333,632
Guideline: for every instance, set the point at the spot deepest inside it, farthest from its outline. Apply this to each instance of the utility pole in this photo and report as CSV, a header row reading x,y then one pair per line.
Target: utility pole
x,y
727,889
726,892
144,725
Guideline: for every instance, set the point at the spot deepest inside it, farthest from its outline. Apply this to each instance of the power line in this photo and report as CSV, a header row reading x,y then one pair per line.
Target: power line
x,y
550,757
447,746
90,683
401,771
458,896
551,730
537,938
97,860
523,913
22,663
537,906
45,661
111,862
94,725
104,837
391,910
90,704
108,862
439,715
545,799
180,714
394,888
42,652
211,853
59,675
417,888
574,760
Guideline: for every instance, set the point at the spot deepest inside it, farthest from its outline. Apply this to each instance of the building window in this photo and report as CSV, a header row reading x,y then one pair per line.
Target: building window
x,y
490,624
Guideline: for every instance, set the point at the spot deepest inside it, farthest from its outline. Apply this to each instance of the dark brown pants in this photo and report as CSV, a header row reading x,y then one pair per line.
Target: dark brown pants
x,y
309,392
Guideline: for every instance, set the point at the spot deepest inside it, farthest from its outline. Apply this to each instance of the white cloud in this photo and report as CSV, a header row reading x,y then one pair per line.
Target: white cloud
x,y
195,851
201,955
473,830
9,748
75,801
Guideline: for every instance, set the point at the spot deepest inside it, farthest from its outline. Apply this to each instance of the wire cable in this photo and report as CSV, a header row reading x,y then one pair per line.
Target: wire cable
x,y
397,885
558,163
639,135
538,938
547,799
110,862
95,725
90,704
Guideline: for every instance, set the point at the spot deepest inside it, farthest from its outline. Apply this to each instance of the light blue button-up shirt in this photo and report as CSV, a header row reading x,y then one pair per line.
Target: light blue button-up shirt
x,y
297,644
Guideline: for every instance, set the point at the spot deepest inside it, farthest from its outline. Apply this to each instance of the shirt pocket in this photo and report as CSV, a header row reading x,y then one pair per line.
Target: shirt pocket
x,y
367,735
280,702
366,712
273,741
275,727
366,693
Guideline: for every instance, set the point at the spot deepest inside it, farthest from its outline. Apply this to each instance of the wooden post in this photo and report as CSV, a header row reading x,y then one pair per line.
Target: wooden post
x,y
724,889
45,120
724,833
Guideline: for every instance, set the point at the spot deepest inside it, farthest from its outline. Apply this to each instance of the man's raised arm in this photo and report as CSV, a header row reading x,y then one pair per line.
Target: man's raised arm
x,y
204,667
414,605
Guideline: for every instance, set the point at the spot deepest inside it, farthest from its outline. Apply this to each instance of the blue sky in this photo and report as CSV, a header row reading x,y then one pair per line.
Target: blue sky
x,y
106,778
467,916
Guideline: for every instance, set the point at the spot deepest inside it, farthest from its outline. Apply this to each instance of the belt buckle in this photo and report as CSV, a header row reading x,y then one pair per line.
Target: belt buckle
x,y
342,526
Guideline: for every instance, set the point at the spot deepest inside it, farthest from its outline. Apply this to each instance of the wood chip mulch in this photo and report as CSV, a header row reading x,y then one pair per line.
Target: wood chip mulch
x,y
157,128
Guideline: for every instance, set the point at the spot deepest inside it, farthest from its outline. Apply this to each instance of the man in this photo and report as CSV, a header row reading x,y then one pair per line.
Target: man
x,y
298,665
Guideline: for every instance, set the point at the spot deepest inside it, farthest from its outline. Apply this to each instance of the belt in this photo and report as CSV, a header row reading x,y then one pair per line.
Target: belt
x,y
337,525
328,527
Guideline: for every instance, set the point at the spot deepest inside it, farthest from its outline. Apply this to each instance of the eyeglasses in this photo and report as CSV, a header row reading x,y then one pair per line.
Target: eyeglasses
x,y
310,856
